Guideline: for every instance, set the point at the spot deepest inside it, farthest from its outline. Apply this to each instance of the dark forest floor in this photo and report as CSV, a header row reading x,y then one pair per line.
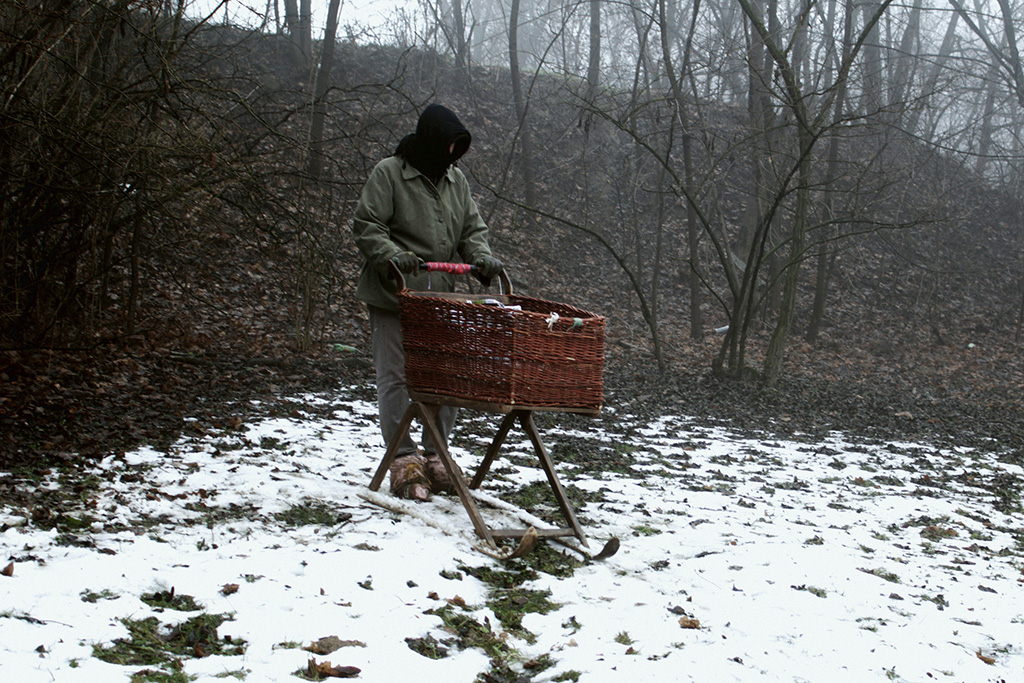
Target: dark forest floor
x,y
58,407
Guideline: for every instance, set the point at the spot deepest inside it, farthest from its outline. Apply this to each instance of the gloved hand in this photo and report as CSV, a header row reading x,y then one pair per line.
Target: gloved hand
x,y
488,267
407,262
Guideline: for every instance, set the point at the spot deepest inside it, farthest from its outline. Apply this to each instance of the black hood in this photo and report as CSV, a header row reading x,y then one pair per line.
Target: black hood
x,y
427,148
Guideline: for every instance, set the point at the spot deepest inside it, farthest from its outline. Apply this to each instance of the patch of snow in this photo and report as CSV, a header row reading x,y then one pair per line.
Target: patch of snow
x,y
832,560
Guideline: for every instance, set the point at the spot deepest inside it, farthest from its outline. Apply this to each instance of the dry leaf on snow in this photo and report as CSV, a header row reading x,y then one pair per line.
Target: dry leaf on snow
x,y
328,644
317,670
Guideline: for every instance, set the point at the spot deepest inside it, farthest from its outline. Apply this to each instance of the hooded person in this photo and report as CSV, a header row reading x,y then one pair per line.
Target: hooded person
x,y
439,141
416,206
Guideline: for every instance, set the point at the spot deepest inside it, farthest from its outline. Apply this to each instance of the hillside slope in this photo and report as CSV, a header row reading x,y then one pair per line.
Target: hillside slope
x,y
920,326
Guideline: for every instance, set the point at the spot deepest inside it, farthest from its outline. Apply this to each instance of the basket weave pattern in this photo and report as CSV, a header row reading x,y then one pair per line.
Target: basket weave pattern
x,y
485,352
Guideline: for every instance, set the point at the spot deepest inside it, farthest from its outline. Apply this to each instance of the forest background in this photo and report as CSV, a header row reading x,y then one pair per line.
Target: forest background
x,y
799,215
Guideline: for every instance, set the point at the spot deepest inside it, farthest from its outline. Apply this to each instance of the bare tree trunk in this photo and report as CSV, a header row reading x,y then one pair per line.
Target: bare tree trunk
x,y
826,255
315,161
693,227
780,335
659,247
134,267
905,60
1020,314
932,81
594,62
871,100
1015,67
526,145
757,221
294,27
306,30
313,253
461,44
985,133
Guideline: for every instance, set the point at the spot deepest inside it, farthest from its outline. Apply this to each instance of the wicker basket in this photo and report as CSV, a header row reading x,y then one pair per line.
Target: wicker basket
x,y
504,349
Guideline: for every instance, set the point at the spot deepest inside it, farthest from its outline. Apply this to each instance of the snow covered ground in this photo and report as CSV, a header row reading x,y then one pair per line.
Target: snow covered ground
x,y
742,559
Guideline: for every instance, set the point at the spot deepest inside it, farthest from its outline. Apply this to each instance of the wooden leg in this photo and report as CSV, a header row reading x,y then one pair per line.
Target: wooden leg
x,y
455,474
492,450
392,449
526,420
427,413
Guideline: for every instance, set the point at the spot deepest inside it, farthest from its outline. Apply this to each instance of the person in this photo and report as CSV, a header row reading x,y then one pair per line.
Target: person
x,y
415,207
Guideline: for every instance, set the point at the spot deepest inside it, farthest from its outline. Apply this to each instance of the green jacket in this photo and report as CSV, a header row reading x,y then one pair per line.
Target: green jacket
x,y
401,210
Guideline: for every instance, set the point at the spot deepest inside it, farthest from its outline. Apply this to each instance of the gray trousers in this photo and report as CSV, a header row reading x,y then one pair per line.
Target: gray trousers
x,y
392,395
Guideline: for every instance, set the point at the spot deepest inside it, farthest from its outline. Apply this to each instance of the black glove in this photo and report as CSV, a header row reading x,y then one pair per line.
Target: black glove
x,y
488,267
407,262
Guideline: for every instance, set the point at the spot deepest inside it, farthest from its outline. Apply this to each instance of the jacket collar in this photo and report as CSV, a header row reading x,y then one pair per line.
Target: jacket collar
x,y
409,171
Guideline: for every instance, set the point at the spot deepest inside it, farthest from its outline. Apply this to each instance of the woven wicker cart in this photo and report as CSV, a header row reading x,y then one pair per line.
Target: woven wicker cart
x,y
504,349
504,354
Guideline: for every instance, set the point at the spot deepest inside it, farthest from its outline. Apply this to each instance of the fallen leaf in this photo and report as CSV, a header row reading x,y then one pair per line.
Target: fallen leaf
x,y
8,570
457,601
328,644
229,588
987,660
688,622
317,670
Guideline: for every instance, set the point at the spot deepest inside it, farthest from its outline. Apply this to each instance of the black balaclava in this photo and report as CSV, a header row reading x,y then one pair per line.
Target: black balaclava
x,y
427,148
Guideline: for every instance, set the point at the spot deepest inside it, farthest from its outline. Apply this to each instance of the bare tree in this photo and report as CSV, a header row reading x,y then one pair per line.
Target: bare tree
x,y
594,62
1006,56
521,107
298,22
683,104
826,244
320,89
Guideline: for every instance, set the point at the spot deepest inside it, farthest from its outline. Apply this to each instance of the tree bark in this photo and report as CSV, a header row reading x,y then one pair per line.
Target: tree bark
x,y
905,60
871,99
461,44
315,162
306,31
294,27
826,256
594,61
932,81
693,228
525,142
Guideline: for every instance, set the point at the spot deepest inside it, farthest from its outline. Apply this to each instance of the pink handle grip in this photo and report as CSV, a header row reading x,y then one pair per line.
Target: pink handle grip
x,y
453,268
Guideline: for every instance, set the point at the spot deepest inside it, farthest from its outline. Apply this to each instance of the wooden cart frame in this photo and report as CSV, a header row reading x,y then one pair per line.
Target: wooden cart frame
x,y
424,407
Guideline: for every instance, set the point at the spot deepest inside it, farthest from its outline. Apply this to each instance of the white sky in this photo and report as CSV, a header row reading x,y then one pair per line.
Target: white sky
x,y
366,12
778,548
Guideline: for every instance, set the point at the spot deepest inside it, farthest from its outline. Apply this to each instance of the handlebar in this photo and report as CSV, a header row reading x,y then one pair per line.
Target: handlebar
x,y
504,283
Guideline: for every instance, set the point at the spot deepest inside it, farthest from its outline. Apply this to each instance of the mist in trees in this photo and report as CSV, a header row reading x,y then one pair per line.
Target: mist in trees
x,y
738,155
762,142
